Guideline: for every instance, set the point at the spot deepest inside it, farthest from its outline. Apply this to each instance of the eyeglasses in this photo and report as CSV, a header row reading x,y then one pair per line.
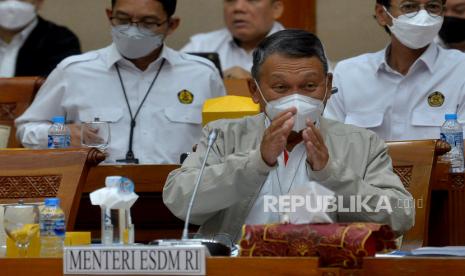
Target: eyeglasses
x,y
411,8
144,25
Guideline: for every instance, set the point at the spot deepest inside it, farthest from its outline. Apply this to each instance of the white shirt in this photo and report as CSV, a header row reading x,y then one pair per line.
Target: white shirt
x,y
397,107
87,86
290,179
222,42
9,51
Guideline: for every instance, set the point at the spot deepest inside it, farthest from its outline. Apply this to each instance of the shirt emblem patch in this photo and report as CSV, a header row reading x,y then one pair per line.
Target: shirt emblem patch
x,y
436,99
185,97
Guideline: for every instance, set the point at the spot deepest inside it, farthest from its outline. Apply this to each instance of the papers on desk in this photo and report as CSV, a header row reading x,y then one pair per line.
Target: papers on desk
x,y
458,251
455,251
393,254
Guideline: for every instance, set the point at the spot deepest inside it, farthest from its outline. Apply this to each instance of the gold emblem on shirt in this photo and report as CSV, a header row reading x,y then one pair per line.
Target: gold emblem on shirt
x,y
436,99
185,97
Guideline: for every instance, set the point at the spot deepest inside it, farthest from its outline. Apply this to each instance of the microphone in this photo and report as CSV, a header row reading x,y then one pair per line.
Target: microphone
x,y
212,137
210,141
215,248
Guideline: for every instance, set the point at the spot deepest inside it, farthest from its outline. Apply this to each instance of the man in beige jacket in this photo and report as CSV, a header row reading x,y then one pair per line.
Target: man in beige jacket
x,y
289,150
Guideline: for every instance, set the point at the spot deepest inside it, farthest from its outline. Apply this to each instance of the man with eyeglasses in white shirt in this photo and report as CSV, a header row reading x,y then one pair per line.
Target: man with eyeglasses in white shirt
x,y
403,91
151,95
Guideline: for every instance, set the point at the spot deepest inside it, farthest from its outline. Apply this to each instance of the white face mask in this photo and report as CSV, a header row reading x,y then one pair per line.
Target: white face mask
x,y
307,108
16,14
418,31
132,43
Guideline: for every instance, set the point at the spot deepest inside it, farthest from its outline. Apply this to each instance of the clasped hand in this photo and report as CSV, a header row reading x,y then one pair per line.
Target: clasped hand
x,y
275,139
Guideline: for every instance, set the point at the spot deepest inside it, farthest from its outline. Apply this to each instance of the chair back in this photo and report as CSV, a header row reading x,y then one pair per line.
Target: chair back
x,y
33,175
237,87
413,162
16,94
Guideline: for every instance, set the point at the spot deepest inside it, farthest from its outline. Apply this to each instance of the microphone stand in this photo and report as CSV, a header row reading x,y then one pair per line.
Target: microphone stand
x,y
213,247
211,139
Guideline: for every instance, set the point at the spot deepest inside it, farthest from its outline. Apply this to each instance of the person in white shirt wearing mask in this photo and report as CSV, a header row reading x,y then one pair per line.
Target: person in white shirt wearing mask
x,y
29,44
287,150
151,95
247,23
452,34
403,91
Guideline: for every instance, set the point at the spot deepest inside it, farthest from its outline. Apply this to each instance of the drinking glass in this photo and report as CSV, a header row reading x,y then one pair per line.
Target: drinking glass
x,y
21,223
2,234
95,134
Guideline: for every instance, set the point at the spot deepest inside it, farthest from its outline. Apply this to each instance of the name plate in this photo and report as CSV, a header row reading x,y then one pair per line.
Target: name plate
x,y
143,260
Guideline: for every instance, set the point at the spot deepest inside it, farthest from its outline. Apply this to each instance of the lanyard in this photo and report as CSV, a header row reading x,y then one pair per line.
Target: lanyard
x,y
130,158
293,177
284,217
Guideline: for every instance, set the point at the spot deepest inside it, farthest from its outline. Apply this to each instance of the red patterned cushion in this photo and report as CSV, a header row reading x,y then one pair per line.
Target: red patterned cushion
x,y
339,244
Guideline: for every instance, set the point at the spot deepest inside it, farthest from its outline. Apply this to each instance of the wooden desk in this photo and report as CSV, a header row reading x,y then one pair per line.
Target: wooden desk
x,y
215,266
447,215
272,266
151,218
147,178
413,266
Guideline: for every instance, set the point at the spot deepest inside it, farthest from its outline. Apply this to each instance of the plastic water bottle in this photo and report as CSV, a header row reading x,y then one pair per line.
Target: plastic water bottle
x,y
52,229
452,133
59,136
110,217
116,223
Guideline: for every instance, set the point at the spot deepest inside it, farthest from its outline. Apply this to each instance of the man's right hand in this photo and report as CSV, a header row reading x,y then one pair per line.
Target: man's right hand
x,y
275,138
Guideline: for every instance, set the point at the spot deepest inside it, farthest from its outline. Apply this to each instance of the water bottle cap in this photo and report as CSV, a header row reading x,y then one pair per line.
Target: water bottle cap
x,y
112,181
451,116
58,119
52,201
127,186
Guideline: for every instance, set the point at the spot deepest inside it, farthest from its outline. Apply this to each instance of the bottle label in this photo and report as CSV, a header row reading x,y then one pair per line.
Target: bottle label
x,y
59,227
453,139
50,227
107,218
59,141
455,155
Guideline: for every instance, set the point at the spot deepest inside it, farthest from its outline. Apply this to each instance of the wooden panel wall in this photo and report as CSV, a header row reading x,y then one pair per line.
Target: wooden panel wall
x,y
300,14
